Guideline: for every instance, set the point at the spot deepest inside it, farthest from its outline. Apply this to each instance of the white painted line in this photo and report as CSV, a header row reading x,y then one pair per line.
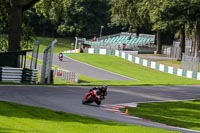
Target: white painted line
x,y
112,110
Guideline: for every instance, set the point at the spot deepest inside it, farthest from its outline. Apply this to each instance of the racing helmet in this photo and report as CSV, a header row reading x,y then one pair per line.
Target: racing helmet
x,y
104,88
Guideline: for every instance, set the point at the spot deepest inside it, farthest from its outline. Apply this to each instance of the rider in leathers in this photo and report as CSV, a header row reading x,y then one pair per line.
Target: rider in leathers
x,y
101,92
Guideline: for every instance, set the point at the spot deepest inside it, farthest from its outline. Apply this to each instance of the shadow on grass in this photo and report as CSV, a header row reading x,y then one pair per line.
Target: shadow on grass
x,y
9,109
8,130
83,81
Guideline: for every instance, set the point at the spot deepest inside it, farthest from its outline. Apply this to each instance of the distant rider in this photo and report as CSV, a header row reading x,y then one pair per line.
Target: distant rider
x,y
60,56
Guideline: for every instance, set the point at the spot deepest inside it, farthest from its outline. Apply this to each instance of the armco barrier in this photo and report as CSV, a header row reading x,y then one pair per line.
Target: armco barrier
x,y
147,63
29,75
9,74
18,75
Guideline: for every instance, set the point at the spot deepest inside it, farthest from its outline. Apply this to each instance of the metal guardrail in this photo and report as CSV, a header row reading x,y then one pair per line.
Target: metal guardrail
x,y
18,75
29,75
8,74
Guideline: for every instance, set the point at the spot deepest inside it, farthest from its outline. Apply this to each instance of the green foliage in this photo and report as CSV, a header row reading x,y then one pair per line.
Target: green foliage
x,y
52,9
28,37
4,6
3,43
85,17
76,17
124,12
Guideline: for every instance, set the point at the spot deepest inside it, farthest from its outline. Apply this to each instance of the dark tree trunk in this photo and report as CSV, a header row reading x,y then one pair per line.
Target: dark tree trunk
x,y
15,22
197,40
15,25
158,42
182,44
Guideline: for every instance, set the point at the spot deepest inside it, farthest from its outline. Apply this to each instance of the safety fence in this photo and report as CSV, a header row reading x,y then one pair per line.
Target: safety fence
x,y
146,63
72,51
190,62
174,52
112,51
63,74
25,75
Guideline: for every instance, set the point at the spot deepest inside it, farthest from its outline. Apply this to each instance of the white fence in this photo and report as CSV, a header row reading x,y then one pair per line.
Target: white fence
x,y
63,74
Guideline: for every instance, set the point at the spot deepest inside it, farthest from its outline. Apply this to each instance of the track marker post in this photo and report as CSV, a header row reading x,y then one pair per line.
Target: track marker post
x,y
126,110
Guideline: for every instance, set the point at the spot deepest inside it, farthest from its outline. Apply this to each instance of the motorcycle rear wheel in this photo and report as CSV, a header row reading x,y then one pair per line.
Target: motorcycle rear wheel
x,y
83,101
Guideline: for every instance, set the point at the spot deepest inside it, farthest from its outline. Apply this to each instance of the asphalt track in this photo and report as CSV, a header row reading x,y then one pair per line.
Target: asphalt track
x,y
68,99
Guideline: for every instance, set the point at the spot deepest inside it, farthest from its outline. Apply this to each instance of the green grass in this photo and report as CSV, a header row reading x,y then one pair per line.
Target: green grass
x,y
15,118
183,114
159,59
172,63
62,44
142,75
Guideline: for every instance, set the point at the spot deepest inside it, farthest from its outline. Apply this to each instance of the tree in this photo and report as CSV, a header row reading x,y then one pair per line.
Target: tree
x,y
137,15
194,16
79,17
85,17
12,12
176,20
16,10
4,5
125,12
184,13
73,16
153,10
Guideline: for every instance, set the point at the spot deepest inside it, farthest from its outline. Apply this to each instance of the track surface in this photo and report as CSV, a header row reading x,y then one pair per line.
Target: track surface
x,y
68,99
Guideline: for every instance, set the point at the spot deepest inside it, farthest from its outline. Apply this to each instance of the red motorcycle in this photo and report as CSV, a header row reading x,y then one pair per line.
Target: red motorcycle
x,y
95,95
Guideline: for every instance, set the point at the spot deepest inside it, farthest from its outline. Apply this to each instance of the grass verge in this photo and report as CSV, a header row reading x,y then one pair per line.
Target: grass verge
x,y
143,75
182,114
17,118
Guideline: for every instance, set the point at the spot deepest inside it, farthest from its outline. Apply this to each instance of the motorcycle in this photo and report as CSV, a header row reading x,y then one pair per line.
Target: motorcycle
x,y
92,96
60,57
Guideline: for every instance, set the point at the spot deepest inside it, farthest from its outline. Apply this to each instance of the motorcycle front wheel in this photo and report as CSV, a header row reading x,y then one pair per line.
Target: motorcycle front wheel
x,y
83,101
89,99
98,102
